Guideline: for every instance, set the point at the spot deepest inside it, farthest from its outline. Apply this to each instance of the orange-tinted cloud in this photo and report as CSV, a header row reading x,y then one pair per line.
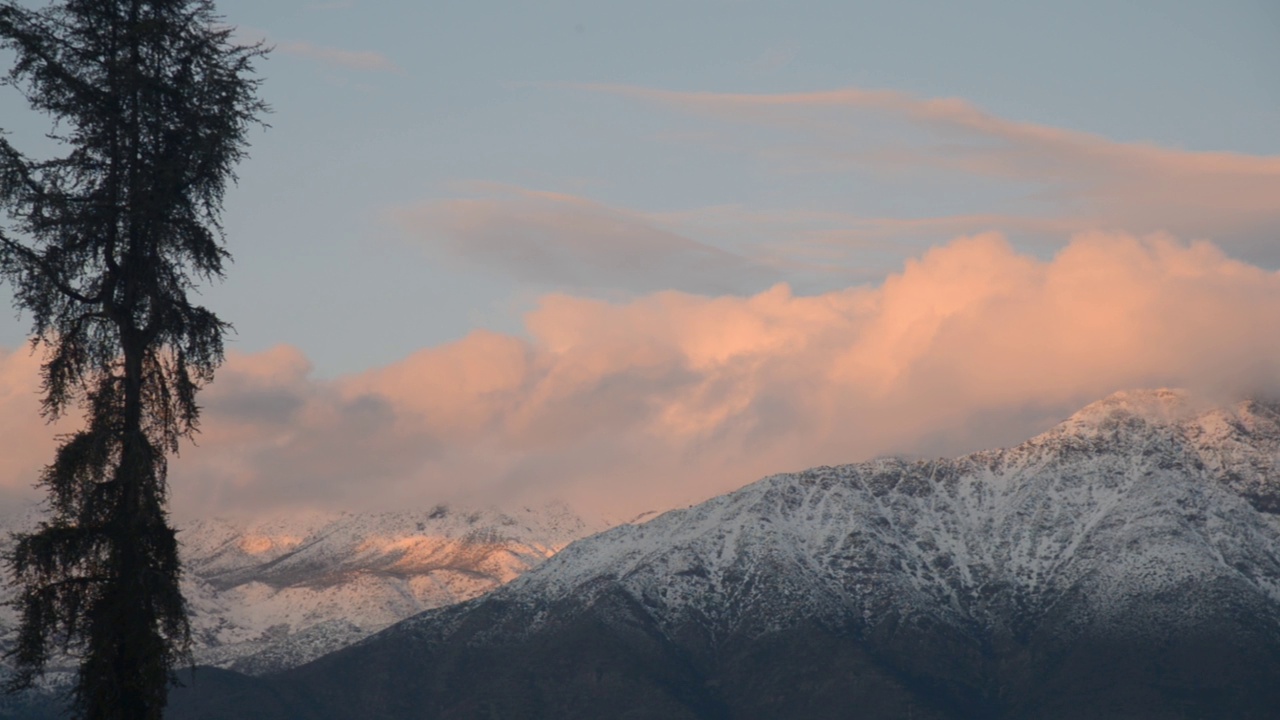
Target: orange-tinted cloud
x,y
366,60
672,397
1088,181
27,441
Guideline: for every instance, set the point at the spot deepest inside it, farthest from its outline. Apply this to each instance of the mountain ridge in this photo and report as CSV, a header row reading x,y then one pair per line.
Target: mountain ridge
x,y
1087,572
272,593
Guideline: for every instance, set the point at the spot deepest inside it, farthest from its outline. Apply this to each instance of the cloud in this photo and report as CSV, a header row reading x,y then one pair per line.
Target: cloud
x,y
820,250
1071,178
668,398
366,60
573,243
28,441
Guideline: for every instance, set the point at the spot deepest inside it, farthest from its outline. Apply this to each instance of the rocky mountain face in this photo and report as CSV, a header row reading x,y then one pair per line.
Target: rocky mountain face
x,y
272,594
1124,564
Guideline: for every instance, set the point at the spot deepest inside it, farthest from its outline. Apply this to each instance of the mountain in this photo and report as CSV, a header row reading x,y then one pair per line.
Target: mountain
x,y
275,593
1124,564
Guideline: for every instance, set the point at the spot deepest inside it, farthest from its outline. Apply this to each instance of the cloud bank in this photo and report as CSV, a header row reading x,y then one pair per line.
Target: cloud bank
x,y
672,397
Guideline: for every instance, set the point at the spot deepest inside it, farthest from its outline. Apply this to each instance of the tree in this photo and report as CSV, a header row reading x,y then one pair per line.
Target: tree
x,y
152,101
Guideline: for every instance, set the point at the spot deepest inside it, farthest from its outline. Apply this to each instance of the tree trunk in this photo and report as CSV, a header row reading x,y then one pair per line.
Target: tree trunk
x,y
127,681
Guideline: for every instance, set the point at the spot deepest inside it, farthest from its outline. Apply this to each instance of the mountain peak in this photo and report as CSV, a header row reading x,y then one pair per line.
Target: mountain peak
x,y
1159,406
1126,562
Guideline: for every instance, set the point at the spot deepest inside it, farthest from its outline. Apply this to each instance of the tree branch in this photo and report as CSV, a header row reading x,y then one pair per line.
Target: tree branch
x,y
33,257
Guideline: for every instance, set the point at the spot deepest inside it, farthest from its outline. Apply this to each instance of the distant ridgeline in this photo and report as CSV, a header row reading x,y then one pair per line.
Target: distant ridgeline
x,y
272,594
1125,564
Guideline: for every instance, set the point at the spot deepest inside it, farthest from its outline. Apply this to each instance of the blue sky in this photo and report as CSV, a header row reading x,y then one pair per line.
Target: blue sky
x,y
385,105
455,244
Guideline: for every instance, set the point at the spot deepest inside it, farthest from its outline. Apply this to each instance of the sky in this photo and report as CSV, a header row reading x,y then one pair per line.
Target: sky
x,y
631,255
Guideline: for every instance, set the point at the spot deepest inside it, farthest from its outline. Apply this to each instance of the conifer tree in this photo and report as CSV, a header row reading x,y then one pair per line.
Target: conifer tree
x,y
151,100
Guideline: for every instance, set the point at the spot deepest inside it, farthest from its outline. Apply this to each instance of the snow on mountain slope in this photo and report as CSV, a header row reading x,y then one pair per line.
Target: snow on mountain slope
x,y
1141,513
279,593
273,594
1138,495
1126,563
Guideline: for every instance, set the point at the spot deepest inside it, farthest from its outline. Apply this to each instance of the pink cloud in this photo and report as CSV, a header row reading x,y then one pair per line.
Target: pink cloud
x,y
1094,182
28,441
671,397
366,60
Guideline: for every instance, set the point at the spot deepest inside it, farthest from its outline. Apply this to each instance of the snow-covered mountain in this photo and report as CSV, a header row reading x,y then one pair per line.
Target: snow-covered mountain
x,y
271,594
1124,564
1189,496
